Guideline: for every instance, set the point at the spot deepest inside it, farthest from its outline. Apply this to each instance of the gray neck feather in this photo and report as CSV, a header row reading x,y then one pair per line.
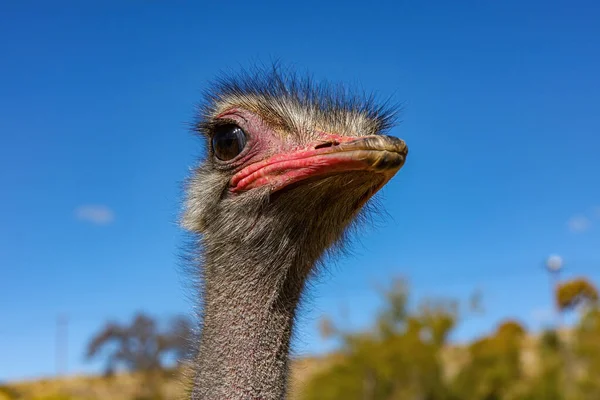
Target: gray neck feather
x,y
256,259
247,325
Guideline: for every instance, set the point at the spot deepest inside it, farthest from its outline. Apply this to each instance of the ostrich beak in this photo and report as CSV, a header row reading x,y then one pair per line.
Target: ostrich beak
x,y
379,154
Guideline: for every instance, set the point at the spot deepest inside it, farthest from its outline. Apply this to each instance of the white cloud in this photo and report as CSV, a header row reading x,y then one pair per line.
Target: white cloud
x,y
578,224
96,214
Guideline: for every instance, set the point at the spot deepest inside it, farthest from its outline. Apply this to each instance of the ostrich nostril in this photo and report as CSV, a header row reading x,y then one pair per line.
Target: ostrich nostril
x,y
329,143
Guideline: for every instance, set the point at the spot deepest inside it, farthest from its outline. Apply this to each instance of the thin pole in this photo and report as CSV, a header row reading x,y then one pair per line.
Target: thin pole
x,y
555,282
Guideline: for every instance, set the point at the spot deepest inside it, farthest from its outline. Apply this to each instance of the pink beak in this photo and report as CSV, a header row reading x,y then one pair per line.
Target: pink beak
x,y
379,154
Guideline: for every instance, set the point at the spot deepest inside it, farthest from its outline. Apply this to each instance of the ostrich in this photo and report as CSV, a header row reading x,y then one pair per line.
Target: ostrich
x,y
289,166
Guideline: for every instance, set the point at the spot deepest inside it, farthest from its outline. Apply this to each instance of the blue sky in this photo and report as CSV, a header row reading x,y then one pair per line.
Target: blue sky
x,y
501,117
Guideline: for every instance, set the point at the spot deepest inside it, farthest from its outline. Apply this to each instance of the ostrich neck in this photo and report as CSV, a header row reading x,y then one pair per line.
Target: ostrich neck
x,y
249,309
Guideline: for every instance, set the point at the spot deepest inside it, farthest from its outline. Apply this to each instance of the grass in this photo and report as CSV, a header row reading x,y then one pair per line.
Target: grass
x,y
128,386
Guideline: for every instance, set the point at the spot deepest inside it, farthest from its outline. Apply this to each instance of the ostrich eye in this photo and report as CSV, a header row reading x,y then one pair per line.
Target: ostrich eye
x,y
228,141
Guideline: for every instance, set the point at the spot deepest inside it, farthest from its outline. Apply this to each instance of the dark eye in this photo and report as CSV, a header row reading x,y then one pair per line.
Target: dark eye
x,y
228,141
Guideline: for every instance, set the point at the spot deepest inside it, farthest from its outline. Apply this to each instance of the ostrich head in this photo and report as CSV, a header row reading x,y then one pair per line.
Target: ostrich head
x,y
288,164
288,167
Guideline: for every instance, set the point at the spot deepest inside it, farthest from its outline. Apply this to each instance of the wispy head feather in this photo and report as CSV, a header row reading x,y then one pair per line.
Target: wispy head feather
x,y
297,103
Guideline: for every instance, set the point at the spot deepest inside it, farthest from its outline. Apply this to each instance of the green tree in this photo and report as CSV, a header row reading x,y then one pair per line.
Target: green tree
x,y
406,355
577,294
494,370
400,358
548,382
587,350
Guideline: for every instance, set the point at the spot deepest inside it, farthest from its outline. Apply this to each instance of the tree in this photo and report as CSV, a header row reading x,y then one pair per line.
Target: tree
x,y
142,347
406,355
494,369
574,293
578,293
548,381
398,359
138,346
587,349
181,338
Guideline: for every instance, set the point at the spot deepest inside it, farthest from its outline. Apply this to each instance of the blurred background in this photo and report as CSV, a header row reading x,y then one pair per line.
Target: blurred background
x,y
480,282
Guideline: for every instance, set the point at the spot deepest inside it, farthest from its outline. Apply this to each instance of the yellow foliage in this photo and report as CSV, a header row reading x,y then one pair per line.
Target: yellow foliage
x,y
575,292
